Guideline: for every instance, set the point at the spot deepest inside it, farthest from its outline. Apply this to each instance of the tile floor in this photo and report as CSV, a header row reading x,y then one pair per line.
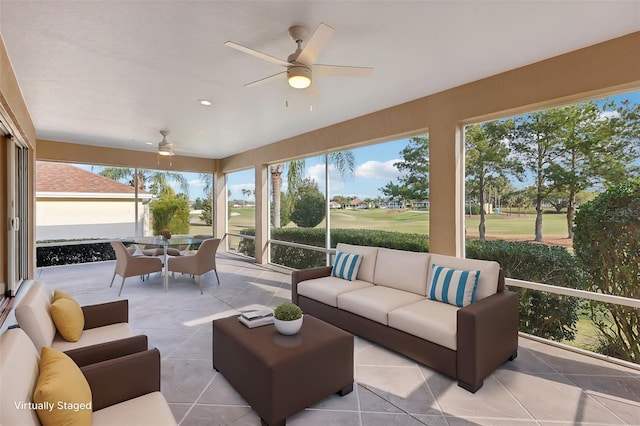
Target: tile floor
x,y
544,386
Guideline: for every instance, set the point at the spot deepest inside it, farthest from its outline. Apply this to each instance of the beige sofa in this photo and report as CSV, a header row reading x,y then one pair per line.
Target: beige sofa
x,y
124,390
388,303
103,322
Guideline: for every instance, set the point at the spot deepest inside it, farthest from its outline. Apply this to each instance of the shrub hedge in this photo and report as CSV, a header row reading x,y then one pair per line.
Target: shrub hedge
x,y
84,252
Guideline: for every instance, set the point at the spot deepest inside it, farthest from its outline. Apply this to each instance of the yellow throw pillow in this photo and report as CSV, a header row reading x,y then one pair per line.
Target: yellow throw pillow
x,y
62,394
61,295
68,318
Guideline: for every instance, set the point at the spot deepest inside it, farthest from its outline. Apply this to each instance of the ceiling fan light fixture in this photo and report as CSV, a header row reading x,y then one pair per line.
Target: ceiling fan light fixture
x,y
299,76
165,150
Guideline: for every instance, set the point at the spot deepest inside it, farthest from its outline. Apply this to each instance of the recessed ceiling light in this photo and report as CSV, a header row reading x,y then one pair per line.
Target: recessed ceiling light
x,y
204,102
149,143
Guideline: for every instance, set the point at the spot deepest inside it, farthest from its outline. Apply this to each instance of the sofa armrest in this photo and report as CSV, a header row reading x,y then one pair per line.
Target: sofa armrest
x,y
105,314
108,350
306,274
121,379
487,337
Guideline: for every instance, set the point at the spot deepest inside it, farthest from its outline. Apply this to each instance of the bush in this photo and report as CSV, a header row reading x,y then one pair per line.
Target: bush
x,y
85,252
171,214
287,311
542,314
309,205
299,258
607,243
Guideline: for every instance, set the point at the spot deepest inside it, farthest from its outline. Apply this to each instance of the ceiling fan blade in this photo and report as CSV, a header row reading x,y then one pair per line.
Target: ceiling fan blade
x,y
315,45
257,54
340,71
267,79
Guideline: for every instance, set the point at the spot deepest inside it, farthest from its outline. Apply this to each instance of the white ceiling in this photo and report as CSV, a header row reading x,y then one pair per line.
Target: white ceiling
x,y
114,73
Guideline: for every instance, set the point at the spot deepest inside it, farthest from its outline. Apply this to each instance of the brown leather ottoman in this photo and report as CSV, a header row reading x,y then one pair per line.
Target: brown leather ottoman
x,y
282,375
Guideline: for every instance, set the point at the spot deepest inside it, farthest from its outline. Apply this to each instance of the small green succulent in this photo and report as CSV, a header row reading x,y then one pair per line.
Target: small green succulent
x,y
287,311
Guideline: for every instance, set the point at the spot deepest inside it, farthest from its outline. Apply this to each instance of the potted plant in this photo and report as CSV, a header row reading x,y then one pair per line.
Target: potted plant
x,y
288,318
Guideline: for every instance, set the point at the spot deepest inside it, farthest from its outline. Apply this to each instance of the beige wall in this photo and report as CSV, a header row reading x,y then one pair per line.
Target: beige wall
x,y
79,153
606,68
67,218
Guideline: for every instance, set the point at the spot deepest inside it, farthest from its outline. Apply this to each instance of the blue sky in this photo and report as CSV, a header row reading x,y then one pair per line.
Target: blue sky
x,y
374,169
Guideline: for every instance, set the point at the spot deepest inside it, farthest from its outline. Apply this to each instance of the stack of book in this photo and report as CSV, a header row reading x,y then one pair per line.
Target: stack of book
x,y
256,318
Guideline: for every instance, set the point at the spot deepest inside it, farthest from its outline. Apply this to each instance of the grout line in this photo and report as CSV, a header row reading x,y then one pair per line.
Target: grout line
x,y
514,398
198,398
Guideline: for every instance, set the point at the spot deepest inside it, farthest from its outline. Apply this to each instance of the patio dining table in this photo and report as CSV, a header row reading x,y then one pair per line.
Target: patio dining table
x,y
163,243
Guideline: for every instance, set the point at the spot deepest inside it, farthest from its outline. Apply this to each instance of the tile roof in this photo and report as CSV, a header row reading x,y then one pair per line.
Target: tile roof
x,y
61,177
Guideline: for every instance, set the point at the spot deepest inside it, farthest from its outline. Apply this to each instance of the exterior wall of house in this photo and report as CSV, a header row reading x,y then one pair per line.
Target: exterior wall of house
x,y
77,219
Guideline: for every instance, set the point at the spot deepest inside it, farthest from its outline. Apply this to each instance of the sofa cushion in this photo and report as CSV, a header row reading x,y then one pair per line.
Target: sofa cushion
x,y
368,263
375,302
68,317
428,319
327,289
149,409
346,265
453,286
94,336
63,390
489,272
403,270
18,378
34,317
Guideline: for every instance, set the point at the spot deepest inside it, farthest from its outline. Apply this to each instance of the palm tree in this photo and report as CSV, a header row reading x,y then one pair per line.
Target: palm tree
x,y
156,181
343,161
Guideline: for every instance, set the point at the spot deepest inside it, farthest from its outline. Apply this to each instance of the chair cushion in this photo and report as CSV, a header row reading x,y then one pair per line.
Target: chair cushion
x,y
453,286
430,320
18,378
346,265
368,262
62,393
33,316
68,317
403,270
94,336
376,301
149,409
327,289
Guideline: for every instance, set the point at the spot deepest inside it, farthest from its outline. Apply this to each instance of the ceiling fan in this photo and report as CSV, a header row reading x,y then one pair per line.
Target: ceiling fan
x,y
301,64
165,147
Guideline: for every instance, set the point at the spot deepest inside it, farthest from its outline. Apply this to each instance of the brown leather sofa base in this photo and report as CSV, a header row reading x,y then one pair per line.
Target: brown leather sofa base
x,y
282,375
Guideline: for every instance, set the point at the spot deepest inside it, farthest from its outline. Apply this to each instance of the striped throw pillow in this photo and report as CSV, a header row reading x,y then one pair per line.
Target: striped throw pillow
x,y
346,265
453,286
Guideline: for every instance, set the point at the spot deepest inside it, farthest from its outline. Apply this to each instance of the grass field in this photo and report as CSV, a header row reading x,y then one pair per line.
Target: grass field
x,y
503,226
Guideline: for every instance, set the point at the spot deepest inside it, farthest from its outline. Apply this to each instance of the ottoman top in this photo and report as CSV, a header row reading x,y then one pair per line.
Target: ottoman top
x,y
272,347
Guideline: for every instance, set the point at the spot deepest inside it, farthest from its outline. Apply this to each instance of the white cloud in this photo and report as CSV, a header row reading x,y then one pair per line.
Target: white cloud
x,y
607,115
336,182
197,183
378,170
240,186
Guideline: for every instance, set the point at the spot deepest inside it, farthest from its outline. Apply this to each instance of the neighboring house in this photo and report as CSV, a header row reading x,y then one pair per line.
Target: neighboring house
x,y
72,203
421,204
356,203
391,204
334,205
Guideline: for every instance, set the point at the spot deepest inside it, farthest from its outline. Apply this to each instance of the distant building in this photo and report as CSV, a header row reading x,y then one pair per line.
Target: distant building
x,y
334,205
422,204
72,203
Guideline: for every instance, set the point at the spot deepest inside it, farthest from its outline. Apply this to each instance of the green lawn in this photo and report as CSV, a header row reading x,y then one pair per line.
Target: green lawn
x,y
498,226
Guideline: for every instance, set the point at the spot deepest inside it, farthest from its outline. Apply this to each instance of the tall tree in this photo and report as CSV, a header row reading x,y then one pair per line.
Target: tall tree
x,y
156,182
413,183
537,146
488,159
597,148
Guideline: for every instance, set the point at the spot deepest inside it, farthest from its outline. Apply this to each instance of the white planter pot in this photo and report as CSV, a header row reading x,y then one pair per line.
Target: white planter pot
x,y
288,328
